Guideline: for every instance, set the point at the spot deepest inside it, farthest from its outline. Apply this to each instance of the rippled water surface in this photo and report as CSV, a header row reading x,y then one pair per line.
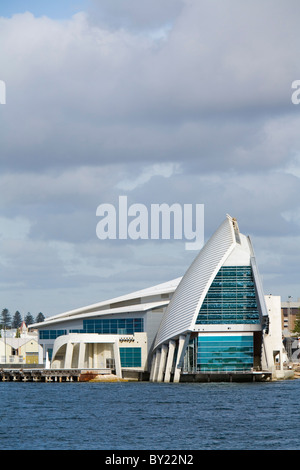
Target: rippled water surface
x,y
149,416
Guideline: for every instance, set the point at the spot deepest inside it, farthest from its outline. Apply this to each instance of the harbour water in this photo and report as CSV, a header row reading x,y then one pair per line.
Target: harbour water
x,y
150,416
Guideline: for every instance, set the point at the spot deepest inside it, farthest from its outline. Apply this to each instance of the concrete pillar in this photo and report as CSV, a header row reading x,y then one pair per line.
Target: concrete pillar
x,y
95,352
152,367
68,356
158,356
117,360
81,356
180,348
169,361
162,363
281,359
90,355
267,355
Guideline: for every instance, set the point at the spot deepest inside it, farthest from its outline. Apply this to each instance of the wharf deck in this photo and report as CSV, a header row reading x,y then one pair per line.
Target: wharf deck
x,y
226,377
49,375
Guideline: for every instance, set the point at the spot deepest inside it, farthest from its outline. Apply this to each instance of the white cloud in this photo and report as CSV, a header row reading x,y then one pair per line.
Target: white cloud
x,y
134,14
158,169
14,229
179,101
84,93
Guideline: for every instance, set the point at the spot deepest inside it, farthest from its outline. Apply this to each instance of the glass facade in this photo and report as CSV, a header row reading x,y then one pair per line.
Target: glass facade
x,y
131,357
231,298
225,353
51,334
124,326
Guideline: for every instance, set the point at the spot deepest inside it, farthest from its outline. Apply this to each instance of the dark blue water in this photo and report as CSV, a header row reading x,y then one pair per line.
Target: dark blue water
x,y
137,416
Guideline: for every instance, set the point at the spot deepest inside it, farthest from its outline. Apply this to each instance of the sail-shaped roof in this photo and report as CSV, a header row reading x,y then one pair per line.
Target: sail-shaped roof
x,y
184,306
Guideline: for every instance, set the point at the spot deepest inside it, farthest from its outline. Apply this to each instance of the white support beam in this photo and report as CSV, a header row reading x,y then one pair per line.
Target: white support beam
x,y
81,356
177,365
68,356
117,360
169,361
158,356
162,363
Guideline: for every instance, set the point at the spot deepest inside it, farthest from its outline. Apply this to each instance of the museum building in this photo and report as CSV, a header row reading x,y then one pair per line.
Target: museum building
x,y
213,321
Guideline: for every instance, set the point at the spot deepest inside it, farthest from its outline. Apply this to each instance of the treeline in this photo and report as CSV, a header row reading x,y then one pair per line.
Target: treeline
x,y
15,321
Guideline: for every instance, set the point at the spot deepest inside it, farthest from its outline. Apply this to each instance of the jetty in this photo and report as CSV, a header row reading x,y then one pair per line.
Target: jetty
x,y
53,375
42,374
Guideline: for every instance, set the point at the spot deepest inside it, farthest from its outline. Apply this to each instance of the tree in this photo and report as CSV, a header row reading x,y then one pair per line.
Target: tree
x,y
40,318
5,318
17,320
29,319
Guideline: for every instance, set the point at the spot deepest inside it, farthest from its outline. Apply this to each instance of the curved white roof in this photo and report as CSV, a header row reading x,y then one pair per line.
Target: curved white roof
x,y
108,311
107,306
183,308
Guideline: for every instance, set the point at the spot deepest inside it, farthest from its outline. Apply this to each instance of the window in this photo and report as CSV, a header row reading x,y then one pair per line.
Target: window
x,y
113,326
231,298
225,353
131,357
51,334
125,326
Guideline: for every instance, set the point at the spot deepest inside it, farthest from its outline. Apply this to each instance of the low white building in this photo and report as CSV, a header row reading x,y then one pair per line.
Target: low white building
x,y
20,351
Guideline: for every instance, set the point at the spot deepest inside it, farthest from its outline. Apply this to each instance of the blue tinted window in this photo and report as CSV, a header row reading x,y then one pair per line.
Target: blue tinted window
x,y
224,353
230,298
113,326
125,326
51,334
131,357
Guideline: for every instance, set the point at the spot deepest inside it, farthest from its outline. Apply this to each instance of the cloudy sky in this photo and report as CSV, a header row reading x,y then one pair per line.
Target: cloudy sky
x,y
168,101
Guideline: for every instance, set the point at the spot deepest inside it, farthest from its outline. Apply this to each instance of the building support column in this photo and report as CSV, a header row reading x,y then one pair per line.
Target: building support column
x,y
152,367
157,362
169,361
162,363
117,360
91,355
81,356
68,356
177,370
267,356
95,355
281,359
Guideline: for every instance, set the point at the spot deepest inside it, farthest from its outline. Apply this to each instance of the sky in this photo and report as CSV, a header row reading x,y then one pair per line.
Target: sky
x,y
168,101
